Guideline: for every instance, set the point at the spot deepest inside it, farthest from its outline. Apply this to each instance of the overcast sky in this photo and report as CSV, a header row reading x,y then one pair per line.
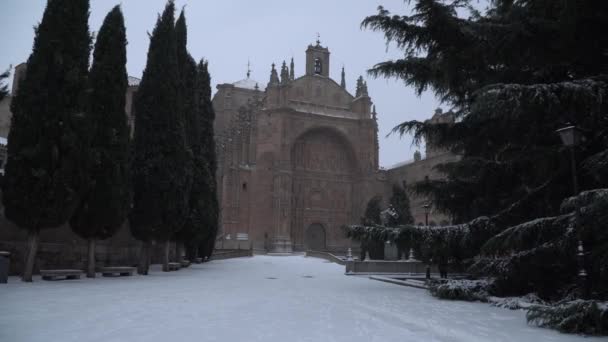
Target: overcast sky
x,y
230,32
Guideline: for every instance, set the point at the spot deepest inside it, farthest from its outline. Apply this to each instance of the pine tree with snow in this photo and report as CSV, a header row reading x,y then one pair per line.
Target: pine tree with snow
x,y
514,75
161,155
3,86
44,174
105,205
209,186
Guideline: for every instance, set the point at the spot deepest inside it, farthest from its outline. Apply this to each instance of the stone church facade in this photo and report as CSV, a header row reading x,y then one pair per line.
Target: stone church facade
x,y
299,159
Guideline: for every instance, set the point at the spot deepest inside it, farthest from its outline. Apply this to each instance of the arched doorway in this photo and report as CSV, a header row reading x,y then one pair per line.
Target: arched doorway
x,y
324,172
315,238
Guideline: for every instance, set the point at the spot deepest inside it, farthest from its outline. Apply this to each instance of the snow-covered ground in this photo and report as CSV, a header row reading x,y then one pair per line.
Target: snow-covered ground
x,y
240,300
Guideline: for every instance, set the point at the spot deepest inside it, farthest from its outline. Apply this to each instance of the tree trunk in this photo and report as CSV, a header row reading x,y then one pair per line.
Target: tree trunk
x,y
32,248
91,259
179,251
144,258
166,256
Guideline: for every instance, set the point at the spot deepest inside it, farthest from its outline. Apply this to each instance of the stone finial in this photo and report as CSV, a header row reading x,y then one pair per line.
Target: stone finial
x,y
359,86
274,77
343,80
284,73
374,114
291,70
417,156
248,69
364,89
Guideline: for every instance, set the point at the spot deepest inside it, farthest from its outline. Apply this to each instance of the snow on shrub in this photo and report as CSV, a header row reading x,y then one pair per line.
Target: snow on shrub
x,y
517,303
580,316
469,290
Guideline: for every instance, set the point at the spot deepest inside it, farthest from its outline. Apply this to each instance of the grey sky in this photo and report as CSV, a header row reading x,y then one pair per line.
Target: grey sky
x,y
228,33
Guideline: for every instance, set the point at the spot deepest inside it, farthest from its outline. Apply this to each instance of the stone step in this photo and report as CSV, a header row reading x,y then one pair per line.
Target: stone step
x,y
117,271
60,274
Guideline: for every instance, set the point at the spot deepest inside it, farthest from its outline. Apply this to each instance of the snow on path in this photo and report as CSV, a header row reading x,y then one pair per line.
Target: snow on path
x,y
236,300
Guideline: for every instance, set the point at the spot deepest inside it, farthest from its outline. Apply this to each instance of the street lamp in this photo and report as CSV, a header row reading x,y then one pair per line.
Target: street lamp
x,y
571,137
427,211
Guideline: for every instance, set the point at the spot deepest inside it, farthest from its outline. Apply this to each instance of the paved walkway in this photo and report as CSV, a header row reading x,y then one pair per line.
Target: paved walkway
x,y
250,299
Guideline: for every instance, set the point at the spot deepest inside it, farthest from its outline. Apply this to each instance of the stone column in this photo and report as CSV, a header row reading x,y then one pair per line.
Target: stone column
x,y
282,212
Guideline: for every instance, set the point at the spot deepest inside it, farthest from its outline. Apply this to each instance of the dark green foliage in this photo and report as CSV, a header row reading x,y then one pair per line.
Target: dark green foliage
x,y
44,174
536,256
161,156
105,205
401,204
468,290
209,186
576,317
514,75
194,228
375,247
540,255
458,242
3,86
372,212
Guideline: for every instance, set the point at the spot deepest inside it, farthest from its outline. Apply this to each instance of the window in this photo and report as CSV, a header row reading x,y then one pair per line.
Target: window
x,y
318,66
245,186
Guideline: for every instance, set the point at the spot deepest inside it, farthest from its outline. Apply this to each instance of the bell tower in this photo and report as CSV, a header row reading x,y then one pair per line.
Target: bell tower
x,y
317,60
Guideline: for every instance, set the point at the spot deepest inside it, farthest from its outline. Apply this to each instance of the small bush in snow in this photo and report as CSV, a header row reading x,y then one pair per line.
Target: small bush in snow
x,y
469,290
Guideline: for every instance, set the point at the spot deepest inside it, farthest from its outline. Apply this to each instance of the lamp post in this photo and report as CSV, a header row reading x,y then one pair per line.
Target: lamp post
x,y
427,210
571,137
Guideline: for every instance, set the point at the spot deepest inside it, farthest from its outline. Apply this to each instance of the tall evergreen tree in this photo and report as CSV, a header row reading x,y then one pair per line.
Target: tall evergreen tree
x,y
105,205
372,217
372,212
161,154
191,234
211,204
44,172
401,204
514,75
3,86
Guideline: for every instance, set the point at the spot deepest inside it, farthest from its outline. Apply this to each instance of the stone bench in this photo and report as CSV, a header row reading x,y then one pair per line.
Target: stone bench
x,y
174,266
185,263
60,274
198,260
117,271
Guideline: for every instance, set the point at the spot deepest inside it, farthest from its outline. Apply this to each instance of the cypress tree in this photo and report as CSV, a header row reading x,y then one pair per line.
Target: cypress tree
x,y
401,204
105,205
372,218
211,204
192,230
44,172
161,156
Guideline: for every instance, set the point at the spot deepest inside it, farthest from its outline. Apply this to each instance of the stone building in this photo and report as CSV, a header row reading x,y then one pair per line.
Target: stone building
x,y
298,159
419,169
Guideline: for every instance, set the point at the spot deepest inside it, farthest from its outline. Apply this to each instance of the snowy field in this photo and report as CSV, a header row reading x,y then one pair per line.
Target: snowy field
x,y
240,300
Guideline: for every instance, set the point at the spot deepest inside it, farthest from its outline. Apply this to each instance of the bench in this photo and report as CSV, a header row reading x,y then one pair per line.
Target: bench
x,y
174,266
185,263
198,260
60,274
117,271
